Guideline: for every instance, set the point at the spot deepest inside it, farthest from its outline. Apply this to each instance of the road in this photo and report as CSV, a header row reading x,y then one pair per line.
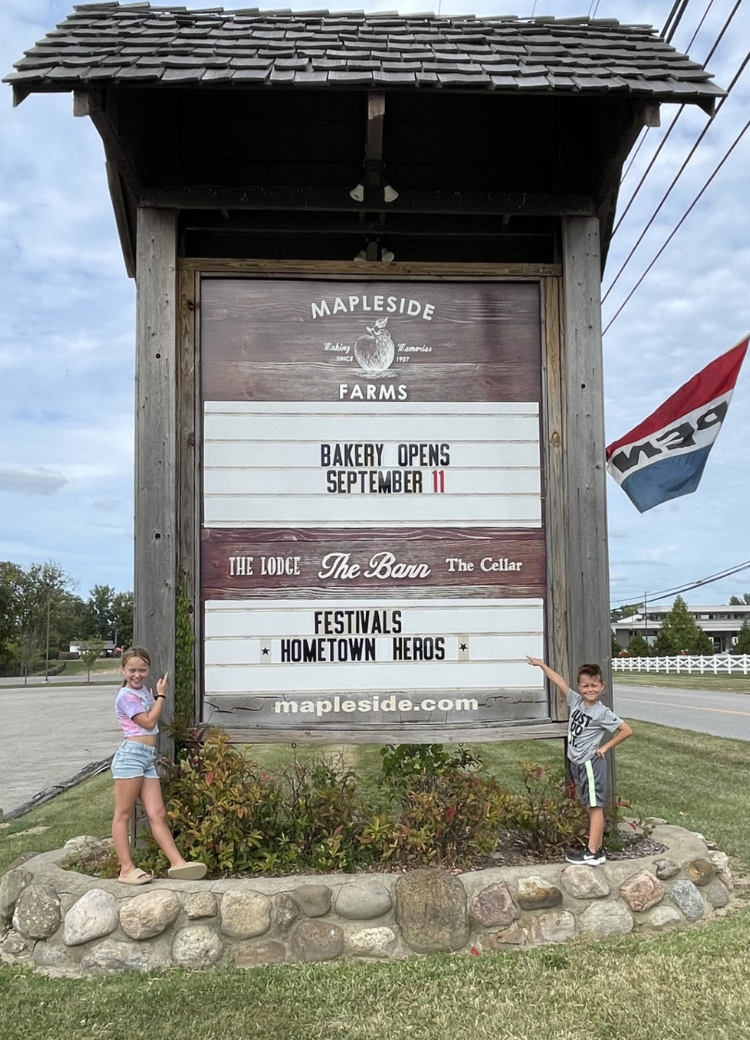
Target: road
x,y
49,733
705,711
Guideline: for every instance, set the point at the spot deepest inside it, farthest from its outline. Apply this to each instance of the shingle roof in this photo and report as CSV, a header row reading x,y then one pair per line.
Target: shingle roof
x,y
109,43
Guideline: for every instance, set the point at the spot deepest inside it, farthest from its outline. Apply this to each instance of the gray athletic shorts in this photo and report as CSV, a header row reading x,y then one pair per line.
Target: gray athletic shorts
x,y
590,779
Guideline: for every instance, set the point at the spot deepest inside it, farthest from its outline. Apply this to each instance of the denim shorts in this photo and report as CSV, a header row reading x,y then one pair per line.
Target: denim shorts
x,y
133,759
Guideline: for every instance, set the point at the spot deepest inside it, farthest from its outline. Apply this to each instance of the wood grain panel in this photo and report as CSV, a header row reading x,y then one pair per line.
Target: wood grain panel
x,y
300,339
455,559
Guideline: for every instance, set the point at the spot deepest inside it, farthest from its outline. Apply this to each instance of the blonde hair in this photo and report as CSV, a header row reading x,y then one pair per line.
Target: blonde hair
x,y
135,651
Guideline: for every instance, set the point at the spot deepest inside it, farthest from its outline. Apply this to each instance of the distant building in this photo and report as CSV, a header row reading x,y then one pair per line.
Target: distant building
x,y
108,648
722,623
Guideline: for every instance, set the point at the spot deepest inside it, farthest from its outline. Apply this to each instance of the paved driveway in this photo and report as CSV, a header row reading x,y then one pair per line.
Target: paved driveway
x,y
48,734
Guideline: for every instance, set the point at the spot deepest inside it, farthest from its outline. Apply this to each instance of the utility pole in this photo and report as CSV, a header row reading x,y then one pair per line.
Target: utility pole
x,y
46,653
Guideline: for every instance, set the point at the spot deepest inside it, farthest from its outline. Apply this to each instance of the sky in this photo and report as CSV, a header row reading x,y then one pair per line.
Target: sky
x,y
67,317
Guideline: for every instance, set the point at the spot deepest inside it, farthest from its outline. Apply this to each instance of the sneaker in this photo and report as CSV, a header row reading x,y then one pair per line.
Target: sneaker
x,y
587,857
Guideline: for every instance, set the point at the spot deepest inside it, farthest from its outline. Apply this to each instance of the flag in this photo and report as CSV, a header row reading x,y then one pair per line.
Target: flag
x,y
663,457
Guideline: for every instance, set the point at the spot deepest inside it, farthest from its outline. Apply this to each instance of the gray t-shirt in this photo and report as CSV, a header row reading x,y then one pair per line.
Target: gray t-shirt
x,y
587,726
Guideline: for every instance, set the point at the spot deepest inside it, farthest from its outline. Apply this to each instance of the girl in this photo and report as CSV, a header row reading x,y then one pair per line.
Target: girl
x,y
134,770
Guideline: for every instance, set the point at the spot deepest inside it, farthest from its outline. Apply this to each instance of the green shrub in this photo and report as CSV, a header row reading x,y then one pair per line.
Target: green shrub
x,y
544,820
441,809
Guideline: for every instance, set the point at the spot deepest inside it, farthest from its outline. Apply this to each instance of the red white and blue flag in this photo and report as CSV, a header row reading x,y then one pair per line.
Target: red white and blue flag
x,y
663,457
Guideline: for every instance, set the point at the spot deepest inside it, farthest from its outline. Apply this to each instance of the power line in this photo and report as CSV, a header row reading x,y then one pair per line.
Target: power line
x,y
677,19
654,596
700,25
678,225
677,176
664,140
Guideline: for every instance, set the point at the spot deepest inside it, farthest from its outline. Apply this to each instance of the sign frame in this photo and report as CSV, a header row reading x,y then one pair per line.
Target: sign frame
x,y
190,276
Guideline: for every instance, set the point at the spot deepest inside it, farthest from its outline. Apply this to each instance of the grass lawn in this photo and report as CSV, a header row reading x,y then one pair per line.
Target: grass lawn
x,y
687,985
725,683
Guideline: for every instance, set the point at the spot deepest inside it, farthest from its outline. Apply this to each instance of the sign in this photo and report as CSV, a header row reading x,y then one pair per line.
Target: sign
x,y
373,551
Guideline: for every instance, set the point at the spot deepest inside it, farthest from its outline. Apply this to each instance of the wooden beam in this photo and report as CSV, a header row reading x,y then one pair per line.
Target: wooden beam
x,y
102,107
352,269
155,448
546,730
645,113
188,449
589,637
207,196
556,487
125,229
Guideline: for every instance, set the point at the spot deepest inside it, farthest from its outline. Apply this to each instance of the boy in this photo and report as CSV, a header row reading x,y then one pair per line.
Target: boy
x,y
588,722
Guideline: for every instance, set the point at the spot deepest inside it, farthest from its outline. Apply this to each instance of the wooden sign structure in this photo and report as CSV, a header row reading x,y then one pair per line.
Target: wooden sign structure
x,y
376,485
372,551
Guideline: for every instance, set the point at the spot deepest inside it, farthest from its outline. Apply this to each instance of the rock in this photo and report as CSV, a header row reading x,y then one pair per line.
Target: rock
x,y
605,920
47,956
91,917
313,900
22,858
245,914
553,928
200,904
14,944
584,882
662,917
508,938
363,900
149,914
719,861
253,955
196,946
431,910
316,941
371,942
701,871
493,907
112,957
287,911
655,821
37,914
536,893
716,893
641,891
12,885
666,868
688,899
84,847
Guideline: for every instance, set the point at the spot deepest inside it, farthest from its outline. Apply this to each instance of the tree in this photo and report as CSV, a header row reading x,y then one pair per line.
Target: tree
x,y
735,601
122,619
638,647
742,646
680,633
626,610
90,652
29,601
99,612
616,648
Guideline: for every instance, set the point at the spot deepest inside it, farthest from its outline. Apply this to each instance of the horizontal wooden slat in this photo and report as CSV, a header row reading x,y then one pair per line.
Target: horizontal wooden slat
x,y
240,731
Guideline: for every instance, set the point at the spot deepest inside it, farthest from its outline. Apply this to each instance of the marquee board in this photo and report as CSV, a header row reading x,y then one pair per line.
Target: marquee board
x,y
373,545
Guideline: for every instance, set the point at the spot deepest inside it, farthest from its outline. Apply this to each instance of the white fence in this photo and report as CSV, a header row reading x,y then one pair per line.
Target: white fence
x,y
716,664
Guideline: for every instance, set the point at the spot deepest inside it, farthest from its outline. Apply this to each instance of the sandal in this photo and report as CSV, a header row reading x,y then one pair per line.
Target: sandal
x,y
136,876
188,872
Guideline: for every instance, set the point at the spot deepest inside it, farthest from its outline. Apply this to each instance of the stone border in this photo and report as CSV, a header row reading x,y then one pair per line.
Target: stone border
x,y
64,923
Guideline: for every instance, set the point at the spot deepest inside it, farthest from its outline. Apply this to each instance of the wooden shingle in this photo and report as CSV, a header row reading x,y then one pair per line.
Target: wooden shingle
x,y
165,45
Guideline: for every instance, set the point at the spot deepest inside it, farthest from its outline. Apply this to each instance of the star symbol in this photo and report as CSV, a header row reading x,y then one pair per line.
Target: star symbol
x,y
464,646
265,650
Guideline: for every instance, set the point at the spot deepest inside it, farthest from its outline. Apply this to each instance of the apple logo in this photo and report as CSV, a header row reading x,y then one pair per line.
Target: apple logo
x,y
376,350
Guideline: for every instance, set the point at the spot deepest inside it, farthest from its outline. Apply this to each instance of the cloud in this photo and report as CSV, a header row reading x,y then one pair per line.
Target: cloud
x,y
37,481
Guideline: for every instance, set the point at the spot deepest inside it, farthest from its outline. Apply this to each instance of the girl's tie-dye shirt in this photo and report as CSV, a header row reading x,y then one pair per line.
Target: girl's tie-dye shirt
x,y
132,702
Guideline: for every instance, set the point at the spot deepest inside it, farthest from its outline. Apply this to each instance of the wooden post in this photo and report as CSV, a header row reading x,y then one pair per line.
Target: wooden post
x,y
588,570
155,447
